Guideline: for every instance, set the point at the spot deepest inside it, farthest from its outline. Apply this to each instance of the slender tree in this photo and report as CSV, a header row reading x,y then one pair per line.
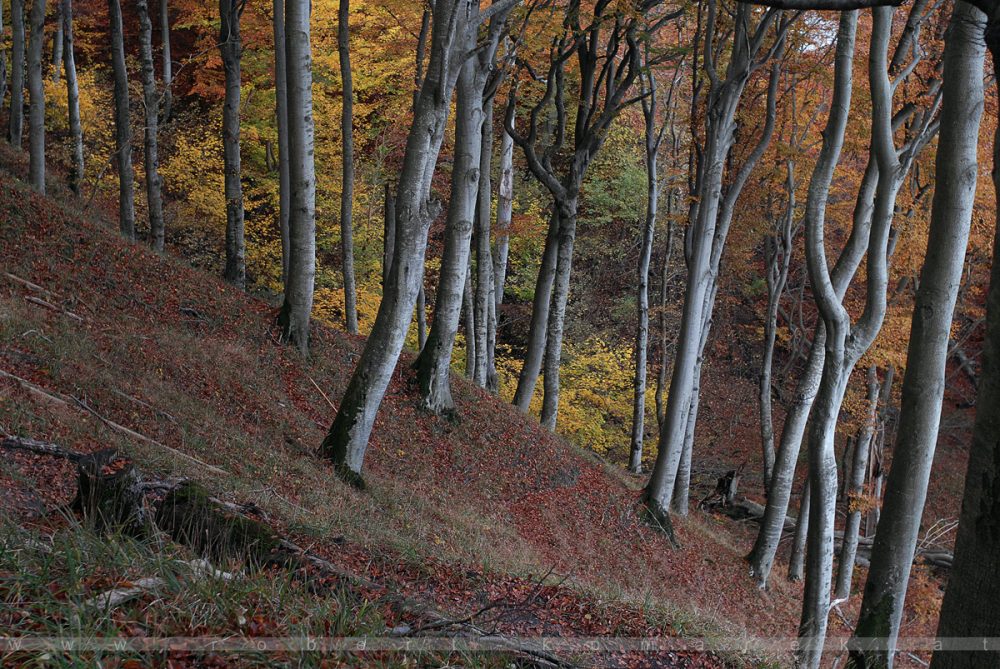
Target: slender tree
x,y
347,182
923,381
166,64
57,44
281,116
501,249
454,286
72,98
36,95
16,121
151,99
297,307
415,210
231,46
3,63
123,131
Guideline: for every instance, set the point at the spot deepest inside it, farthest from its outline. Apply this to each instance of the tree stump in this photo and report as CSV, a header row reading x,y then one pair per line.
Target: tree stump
x,y
109,494
191,517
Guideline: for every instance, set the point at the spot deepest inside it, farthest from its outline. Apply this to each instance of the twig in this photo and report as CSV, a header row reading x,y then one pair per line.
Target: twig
x,y
27,284
316,385
10,442
69,401
48,305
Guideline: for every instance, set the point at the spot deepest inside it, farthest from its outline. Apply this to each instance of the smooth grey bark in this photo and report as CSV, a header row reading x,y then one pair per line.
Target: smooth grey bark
x,y
822,464
389,233
281,121
876,460
231,48
123,130
151,99
72,98
923,381
505,211
15,128
484,300
297,307
347,440
762,556
653,139
778,255
36,99
418,79
707,234
854,489
455,291
166,64
57,44
347,180
797,559
970,606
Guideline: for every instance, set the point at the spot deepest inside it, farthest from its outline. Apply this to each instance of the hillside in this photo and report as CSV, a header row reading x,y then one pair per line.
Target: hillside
x,y
488,513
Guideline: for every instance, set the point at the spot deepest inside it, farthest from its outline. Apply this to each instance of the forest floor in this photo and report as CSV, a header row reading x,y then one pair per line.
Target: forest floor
x,y
489,518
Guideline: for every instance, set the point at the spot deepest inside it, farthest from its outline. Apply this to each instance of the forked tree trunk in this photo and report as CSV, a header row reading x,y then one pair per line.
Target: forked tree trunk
x,y
72,99
297,308
165,63
415,210
123,130
281,119
231,47
15,128
347,181
923,381
36,95
154,196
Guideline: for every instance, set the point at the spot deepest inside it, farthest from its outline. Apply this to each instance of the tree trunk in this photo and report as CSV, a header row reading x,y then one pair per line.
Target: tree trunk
x,y
154,197
415,210
434,363
796,562
505,202
557,312
970,606
57,44
389,236
166,64
231,47
16,121
469,312
484,257
347,182
854,490
72,99
641,350
540,303
3,64
36,95
123,130
297,308
923,381
281,119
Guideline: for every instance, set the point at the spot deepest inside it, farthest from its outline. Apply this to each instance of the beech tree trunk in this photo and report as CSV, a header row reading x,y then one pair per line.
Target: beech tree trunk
x,y
347,181
653,139
15,128
123,130
231,47
970,607
165,63
854,490
297,308
797,560
415,210
281,121
72,98
154,197
3,65
505,208
923,381
389,236
36,95
57,44
484,300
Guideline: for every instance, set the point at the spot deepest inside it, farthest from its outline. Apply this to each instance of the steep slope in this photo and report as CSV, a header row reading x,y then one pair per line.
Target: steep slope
x,y
461,513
